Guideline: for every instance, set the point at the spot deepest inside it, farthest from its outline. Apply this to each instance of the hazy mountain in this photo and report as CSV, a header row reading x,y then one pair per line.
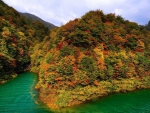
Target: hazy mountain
x,y
148,26
33,17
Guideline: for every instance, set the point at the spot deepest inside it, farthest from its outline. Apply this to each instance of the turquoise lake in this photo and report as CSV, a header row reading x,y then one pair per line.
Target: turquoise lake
x,y
18,96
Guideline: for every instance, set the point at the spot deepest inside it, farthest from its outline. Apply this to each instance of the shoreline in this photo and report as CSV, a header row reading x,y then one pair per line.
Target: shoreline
x,y
10,77
92,92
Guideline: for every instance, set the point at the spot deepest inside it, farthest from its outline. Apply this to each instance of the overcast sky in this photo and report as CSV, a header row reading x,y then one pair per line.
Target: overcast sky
x,y
58,12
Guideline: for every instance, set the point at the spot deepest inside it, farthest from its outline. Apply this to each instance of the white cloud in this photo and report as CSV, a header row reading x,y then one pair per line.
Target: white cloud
x,y
118,11
61,11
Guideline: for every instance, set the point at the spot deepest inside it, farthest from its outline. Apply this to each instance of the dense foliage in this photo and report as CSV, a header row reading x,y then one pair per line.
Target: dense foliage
x,y
17,35
89,52
87,58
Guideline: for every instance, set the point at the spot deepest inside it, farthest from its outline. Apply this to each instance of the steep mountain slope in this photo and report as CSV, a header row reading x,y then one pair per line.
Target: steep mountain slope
x,y
17,35
87,58
90,57
33,17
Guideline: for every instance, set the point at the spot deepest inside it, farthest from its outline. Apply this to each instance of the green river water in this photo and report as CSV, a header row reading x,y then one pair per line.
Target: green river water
x,y
19,96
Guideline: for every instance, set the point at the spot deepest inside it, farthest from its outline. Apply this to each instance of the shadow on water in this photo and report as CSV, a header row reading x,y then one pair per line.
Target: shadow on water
x,y
19,96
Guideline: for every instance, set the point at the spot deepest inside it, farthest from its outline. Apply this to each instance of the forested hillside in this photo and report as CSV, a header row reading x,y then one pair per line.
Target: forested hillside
x,y
33,17
17,34
90,57
85,59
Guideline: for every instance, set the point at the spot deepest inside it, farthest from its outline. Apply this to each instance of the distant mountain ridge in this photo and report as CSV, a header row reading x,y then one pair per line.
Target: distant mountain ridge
x,y
33,17
148,26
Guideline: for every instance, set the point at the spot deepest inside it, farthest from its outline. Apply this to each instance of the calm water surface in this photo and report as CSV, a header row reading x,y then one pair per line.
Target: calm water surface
x,y
19,96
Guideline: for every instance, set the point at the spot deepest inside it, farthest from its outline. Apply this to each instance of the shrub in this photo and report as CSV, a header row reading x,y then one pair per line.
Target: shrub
x,y
65,70
65,51
87,64
143,61
63,98
81,77
132,43
110,71
51,78
49,57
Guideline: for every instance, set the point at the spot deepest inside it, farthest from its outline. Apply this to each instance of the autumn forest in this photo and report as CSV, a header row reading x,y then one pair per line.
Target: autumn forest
x,y
87,58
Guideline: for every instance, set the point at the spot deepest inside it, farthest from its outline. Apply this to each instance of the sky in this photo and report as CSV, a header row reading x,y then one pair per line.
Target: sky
x,y
59,12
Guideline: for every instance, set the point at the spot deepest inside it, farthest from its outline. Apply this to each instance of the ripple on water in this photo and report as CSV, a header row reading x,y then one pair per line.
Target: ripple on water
x,y
18,96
